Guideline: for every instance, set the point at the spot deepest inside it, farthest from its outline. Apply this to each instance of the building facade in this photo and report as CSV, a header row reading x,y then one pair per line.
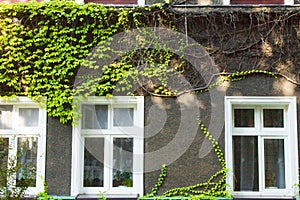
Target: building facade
x,y
118,145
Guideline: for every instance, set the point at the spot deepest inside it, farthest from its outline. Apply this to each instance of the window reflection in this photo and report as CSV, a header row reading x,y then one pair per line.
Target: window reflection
x,y
95,116
93,162
245,163
123,116
6,116
3,161
122,162
273,117
243,117
26,161
274,164
28,117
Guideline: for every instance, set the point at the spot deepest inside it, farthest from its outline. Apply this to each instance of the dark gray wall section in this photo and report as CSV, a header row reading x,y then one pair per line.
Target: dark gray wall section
x,y
59,156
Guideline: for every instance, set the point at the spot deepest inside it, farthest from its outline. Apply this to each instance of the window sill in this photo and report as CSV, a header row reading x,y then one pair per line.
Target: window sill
x,y
108,196
58,198
262,196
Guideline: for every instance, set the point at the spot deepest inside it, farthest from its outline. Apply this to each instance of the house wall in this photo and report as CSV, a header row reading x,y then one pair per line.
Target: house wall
x,y
169,118
233,39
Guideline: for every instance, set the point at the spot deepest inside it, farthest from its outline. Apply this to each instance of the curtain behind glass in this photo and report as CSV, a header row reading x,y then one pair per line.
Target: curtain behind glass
x,y
123,162
93,162
274,163
245,163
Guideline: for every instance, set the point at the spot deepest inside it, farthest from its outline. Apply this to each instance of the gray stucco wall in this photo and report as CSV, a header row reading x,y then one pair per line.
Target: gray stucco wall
x,y
58,157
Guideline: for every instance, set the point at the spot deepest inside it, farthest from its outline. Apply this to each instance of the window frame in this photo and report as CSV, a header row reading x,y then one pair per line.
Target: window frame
x,y
27,132
139,3
288,133
286,3
136,132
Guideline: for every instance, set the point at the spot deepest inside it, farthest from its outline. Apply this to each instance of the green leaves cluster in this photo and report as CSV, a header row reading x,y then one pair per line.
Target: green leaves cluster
x,y
43,45
160,181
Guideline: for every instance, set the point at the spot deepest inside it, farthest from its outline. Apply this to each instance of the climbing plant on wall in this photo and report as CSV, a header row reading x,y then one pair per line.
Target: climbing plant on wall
x,y
43,46
215,187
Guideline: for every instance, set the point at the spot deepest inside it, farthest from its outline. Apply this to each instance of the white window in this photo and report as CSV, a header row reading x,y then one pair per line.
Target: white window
x,y
108,147
113,2
23,143
261,146
258,2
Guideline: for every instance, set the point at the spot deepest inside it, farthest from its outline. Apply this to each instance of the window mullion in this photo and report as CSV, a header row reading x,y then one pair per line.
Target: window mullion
x,y
81,160
258,118
261,167
261,163
108,160
287,160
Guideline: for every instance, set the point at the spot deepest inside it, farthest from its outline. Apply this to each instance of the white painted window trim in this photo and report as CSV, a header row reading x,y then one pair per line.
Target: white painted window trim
x,y
40,133
290,136
139,3
286,2
136,132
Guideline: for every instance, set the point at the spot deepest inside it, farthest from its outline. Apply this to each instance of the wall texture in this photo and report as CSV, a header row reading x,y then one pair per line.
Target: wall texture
x,y
58,157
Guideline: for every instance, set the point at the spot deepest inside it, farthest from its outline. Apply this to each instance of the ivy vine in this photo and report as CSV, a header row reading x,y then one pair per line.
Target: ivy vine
x,y
215,187
44,45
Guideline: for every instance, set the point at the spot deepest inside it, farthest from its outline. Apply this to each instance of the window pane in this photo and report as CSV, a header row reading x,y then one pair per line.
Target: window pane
x,y
273,117
243,117
274,163
26,162
245,150
28,117
3,161
6,116
122,162
123,116
94,116
93,162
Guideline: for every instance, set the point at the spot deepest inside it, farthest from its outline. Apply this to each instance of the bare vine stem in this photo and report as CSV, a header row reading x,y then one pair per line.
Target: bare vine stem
x,y
205,87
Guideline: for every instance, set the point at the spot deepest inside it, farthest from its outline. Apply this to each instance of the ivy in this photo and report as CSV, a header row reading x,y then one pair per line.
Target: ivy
x,y
215,187
43,45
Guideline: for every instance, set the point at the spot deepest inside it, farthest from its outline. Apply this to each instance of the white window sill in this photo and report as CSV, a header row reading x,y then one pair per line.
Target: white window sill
x,y
83,196
258,195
